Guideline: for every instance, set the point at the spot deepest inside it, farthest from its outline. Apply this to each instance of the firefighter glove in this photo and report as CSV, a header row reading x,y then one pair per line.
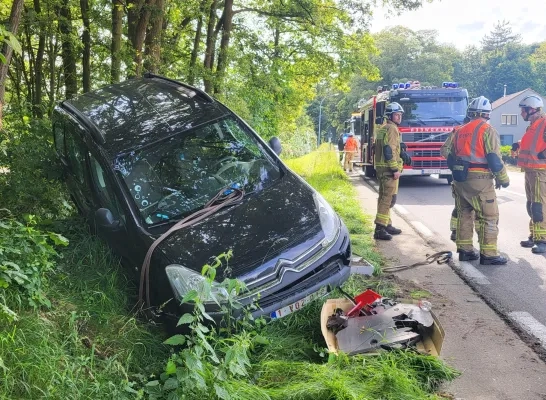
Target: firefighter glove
x,y
499,184
405,158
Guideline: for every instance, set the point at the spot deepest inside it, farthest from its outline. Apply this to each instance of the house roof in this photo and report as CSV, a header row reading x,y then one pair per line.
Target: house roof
x,y
505,99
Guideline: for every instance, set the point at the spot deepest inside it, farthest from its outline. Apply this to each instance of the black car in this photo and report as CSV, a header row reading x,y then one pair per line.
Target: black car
x,y
141,155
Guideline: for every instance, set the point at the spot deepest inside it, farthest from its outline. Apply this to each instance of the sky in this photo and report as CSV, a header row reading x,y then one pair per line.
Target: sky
x,y
465,22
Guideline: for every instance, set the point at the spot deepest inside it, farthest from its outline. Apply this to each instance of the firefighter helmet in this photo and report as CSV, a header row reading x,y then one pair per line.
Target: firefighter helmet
x,y
393,108
480,105
532,101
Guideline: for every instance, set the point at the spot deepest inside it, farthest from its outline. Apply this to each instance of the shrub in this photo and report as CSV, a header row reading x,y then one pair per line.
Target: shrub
x,y
26,256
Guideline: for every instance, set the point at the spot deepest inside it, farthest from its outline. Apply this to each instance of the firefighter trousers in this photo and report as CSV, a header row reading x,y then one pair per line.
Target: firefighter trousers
x,y
349,155
535,190
454,217
477,196
388,189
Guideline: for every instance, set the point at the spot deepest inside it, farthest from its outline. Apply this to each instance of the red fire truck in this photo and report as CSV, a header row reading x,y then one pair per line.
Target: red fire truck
x,y
430,113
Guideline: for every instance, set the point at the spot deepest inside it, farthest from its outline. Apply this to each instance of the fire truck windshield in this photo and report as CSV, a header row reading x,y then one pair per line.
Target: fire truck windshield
x,y
433,110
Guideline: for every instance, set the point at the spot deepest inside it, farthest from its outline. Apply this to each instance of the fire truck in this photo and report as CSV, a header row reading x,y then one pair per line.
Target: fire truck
x,y
430,114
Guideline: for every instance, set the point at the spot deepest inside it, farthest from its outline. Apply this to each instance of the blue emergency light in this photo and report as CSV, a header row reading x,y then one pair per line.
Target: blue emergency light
x,y
395,86
450,85
408,85
402,85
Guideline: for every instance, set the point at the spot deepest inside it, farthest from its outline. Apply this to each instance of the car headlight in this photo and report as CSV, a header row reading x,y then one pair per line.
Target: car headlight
x,y
184,280
329,221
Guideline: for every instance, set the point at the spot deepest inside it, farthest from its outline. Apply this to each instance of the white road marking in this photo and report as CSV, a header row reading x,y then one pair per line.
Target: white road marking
x,y
401,209
511,192
422,228
472,273
529,325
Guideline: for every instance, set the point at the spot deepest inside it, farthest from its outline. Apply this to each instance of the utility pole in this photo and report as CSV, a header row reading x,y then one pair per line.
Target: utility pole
x,y
320,115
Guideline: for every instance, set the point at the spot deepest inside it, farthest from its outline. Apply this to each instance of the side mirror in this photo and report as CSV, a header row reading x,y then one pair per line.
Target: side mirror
x,y
275,145
105,219
379,120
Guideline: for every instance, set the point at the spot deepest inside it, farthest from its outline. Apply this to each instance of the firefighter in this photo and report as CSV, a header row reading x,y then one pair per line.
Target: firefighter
x,y
444,151
532,159
477,166
388,160
350,148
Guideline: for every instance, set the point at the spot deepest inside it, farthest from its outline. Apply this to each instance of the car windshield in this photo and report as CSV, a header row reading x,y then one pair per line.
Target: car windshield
x,y
433,111
178,176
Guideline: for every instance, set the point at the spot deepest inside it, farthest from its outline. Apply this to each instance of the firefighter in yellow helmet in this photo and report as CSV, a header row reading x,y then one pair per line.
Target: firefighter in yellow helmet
x,y
532,159
478,169
389,159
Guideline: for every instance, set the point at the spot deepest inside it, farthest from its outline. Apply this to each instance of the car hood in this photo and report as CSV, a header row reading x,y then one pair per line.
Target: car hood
x,y
280,221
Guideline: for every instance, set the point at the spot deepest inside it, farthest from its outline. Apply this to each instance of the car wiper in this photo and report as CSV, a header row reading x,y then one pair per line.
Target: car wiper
x,y
416,119
456,121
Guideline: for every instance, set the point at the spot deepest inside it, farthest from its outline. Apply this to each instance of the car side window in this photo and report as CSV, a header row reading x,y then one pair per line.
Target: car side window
x,y
104,189
58,137
75,153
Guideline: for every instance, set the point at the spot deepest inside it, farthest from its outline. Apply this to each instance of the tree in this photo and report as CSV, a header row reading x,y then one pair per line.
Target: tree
x,y
9,43
499,37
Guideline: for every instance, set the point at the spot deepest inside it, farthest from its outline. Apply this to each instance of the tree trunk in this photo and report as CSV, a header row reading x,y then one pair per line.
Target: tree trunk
x,y
227,17
115,48
38,74
138,17
7,51
86,40
195,51
153,38
68,53
210,49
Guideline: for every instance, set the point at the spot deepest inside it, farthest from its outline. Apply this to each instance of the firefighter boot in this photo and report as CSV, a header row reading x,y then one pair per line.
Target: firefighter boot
x,y
527,243
539,248
381,233
468,255
492,260
453,236
392,230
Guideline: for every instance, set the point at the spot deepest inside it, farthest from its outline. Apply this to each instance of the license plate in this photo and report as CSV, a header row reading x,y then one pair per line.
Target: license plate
x,y
430,171
298,305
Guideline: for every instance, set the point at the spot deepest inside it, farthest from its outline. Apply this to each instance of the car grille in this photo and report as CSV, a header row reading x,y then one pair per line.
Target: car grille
x,y
311,279
424,137
417,164
426,153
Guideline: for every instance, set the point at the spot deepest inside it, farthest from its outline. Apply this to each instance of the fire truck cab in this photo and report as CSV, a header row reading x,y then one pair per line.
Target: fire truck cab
x,y
430,114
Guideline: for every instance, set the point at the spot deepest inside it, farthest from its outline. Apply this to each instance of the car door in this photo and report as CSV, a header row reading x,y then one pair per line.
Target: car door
x,y
74,161
122,238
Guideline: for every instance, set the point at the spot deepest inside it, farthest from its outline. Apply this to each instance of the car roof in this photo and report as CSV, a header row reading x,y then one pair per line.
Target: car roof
x,y
125,116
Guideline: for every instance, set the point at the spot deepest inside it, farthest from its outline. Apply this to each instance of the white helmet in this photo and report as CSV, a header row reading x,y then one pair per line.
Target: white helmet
x,y
480,105
532,101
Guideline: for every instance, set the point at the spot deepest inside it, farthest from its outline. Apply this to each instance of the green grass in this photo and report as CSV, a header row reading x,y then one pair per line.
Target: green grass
x,y
88,345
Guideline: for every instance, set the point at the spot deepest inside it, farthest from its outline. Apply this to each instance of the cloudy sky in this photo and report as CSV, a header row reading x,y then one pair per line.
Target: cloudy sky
x,y
465,22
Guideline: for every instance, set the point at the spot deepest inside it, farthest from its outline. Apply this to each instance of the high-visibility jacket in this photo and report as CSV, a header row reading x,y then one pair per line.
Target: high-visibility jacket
x,y
351,144
533,143
473,142
387,135
469,144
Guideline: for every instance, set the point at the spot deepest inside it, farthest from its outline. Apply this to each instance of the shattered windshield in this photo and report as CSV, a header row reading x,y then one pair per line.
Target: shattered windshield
x,y
433,111
178,176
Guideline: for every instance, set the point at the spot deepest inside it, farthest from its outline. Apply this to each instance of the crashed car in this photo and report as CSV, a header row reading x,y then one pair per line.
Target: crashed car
x,y
142,155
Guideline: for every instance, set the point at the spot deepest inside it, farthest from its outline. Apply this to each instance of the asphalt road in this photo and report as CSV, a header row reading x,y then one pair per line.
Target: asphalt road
x,y
516,289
